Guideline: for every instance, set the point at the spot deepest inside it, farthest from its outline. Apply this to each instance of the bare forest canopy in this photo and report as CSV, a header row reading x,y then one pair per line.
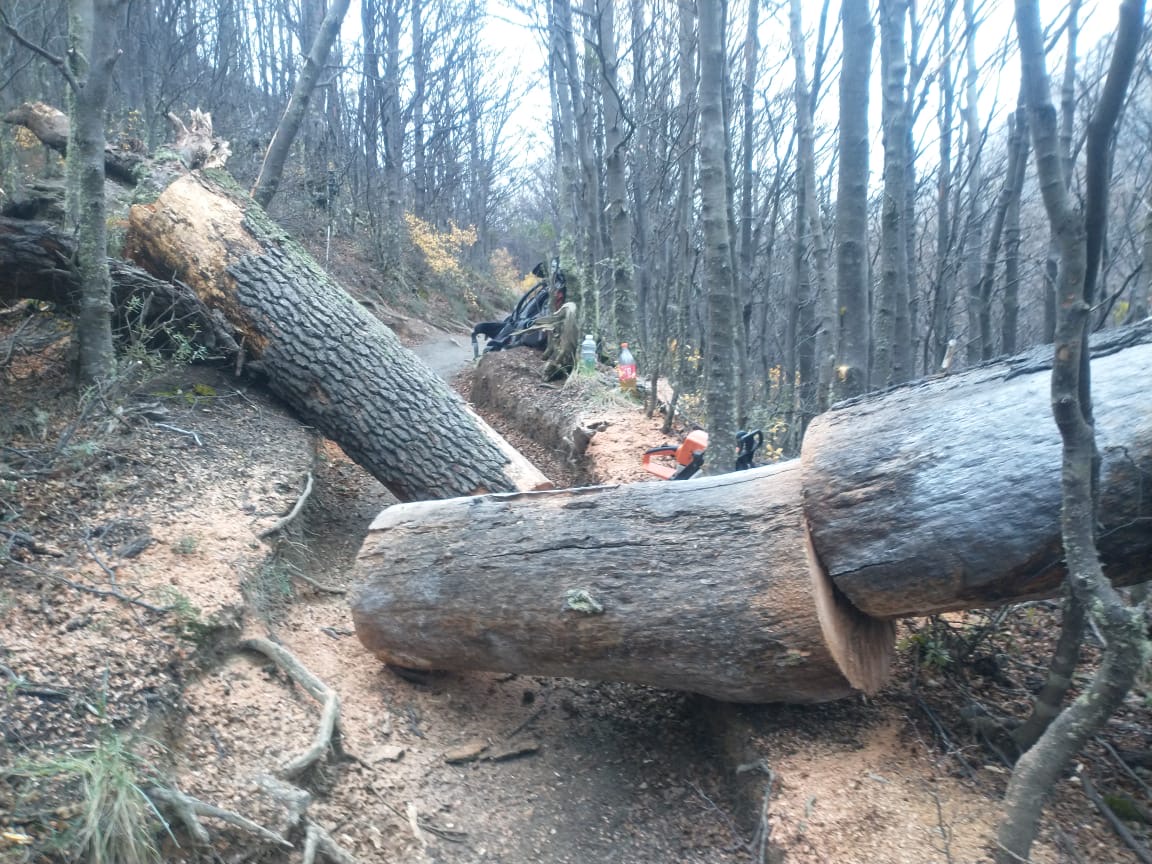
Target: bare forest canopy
x,y
879,203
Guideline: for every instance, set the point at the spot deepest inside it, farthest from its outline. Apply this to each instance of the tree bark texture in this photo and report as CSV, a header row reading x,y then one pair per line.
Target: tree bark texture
x,y
937,495
338,367
945,494
606,583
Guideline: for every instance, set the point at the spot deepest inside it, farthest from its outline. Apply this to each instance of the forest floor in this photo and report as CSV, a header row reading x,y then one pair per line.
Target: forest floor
x,y
136,567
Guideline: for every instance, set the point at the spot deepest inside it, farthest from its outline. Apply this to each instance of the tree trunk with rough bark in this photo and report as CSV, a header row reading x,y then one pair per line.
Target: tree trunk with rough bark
x,y
339,368
945,493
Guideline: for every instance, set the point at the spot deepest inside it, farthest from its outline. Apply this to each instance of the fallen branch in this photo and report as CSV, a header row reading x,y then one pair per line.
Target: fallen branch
x,y
1126,767
88,589
188,810
293,513
192,435
949,747
317,689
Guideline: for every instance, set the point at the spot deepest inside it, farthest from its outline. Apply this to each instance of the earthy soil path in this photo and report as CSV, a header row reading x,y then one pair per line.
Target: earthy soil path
x,y
572,771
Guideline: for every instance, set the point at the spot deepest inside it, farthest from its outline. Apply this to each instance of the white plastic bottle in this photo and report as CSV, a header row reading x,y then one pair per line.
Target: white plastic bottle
x,y
588,354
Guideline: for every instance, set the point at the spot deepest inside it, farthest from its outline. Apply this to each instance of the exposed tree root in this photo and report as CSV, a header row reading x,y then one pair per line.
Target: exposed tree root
x,y
318,690
287,520
317,841
189,810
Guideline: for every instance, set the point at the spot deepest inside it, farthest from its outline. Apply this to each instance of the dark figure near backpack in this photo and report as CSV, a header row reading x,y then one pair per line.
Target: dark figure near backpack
x,y
546,296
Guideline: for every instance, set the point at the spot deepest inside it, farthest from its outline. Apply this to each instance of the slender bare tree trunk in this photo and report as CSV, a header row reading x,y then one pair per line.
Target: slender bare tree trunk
x,y
616,186
419,89
852,201
714,207
893,244
1011,310
91,55
1067,118
974,224
271,171
1079,238
816,308
1009,194
747,145
641,172
942,290
393,122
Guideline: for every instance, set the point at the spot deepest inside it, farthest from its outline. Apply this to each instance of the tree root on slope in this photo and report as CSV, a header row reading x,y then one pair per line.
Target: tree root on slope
x,y
188,810
318,843
328,732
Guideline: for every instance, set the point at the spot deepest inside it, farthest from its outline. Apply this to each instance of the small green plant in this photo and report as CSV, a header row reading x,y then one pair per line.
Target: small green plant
x,y
186,545
187,619
142,337
930,645
112,820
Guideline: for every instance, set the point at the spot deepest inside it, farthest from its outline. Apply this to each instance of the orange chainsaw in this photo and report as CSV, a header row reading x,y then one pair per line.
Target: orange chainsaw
x,y
687,458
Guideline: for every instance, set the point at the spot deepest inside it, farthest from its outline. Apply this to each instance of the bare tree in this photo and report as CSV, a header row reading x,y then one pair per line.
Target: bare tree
x,y
91,55
714,205
615,184
852,201
1079,239
893,242
810,229
941,319
974,218
1007,201
273,168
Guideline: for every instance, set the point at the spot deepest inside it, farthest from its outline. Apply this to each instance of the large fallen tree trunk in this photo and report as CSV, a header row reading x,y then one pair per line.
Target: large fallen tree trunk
x,y
336,365
659,584
339,368
945,494
941,494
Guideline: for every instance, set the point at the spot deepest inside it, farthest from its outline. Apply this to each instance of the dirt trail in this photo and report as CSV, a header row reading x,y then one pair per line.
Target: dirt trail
x,y
573,772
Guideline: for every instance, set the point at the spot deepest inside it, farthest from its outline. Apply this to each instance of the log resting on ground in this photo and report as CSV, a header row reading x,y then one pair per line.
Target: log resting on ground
x,y
941,494
338,367
945,493
662,584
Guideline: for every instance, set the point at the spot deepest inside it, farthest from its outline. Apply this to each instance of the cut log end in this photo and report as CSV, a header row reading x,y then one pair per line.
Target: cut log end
x,y
861,645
